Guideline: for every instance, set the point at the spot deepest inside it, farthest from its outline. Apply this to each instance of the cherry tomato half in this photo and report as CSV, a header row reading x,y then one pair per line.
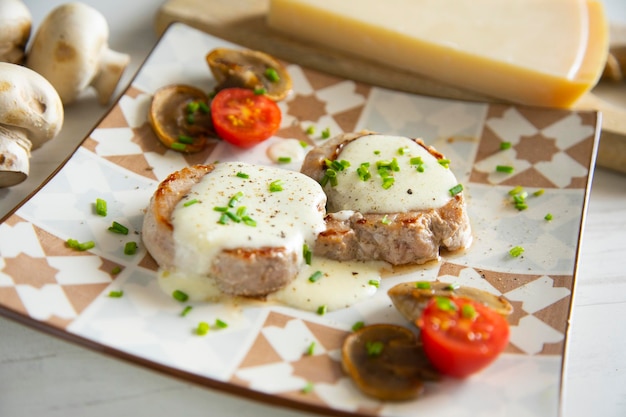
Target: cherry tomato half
x,y
460,336
244,118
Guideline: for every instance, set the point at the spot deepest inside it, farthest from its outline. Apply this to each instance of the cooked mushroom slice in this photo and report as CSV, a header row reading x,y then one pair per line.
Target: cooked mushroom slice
x,y
15,26
31,113
387,362
249,69
410,298
180,117
71,50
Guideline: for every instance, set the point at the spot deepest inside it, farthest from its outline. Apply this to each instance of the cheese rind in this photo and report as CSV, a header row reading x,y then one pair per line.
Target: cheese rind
x,y
526,51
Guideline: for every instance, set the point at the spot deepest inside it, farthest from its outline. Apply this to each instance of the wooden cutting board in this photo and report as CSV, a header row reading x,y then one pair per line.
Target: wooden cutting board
x,y
243,22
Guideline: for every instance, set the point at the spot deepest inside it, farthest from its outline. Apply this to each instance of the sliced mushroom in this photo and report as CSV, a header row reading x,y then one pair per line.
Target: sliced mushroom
x,y
32,114
387,362
410,298
249,69
15,26
180,117
71,50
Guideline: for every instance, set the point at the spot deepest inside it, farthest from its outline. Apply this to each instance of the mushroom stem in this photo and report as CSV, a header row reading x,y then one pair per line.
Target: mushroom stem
x,y
111,67
14,157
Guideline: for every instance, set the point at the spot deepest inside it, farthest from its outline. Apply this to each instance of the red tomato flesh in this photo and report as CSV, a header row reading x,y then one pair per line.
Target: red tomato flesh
x,y
244,118
460,336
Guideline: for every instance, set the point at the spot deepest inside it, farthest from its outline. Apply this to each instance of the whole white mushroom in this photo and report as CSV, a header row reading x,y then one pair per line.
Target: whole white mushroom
x,y
31,113
15,26
70,49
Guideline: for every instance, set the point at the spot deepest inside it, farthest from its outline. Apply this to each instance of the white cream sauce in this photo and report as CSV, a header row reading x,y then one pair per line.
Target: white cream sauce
x,y
287,218
411,190
341,285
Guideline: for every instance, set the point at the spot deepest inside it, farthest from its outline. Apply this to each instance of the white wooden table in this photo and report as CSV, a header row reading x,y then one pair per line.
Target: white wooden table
x,y
41,375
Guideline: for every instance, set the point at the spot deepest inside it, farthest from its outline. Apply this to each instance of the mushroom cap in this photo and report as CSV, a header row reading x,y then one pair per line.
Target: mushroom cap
x,y
70,49
31,107
15,26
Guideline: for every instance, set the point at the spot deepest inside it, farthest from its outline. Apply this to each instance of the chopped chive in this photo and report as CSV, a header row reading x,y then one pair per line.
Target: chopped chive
x,y
311,349
357,326
187,140
101,207
505,145
116,294
326,133
276,186
204,108
307,254
445,304
233,216
202,329
416,160
516,190
388,182
308,387
310,130
516,251
243,175
505,168
116,270
260,91
180,296
316,276
403,150
223,219
363,171
190,119
193,106
374,283
130,248
235,199
220,324
420,168
321,310
177,146
468,311
456,189
186,311
385,220
452,287
220,209
303,144
548,216
190,202
376,152
241,211
80,246
272,75
284,159
248,221
330,175
444,163
539,192
374,348
118,228
422,285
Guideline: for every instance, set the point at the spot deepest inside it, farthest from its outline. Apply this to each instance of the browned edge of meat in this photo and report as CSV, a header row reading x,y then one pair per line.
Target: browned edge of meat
x,y
413,237
241,272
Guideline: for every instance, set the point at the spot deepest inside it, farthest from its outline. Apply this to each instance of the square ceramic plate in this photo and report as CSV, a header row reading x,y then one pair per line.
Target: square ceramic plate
x,y
261,354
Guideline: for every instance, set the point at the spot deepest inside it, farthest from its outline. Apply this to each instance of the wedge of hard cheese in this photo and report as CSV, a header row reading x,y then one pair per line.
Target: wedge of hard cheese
x,y
536,52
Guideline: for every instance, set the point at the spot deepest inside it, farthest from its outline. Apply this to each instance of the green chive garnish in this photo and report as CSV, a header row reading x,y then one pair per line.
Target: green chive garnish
x,y
272,75
130,248
248,221
260,91
276,186
80,246
539,192
505,168
468,311
308,387
388,182
220,324
505,145
548,217
374,283
357,326
316,276
188,140
116,294
326,133
445,304
321,310
235,199
311,349
180,296
516,190
186,311
374,348
385,220
310,130
243,175
116,270
193,106
456,189
118,228
444,163
516,251
101,207
284,159
422,285
177,146
452,287
190,202
202,329
307,254
204,108
363,171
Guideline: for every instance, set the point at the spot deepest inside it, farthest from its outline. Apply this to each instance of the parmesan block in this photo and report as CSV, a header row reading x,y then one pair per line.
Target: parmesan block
x,y
535,52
